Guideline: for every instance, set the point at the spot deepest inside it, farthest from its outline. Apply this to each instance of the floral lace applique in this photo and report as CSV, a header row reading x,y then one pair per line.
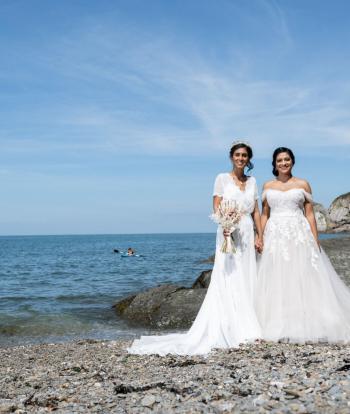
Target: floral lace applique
x,y
281,232
287,223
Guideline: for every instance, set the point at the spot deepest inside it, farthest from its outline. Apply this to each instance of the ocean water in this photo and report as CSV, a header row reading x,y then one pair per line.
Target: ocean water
x,y
57,288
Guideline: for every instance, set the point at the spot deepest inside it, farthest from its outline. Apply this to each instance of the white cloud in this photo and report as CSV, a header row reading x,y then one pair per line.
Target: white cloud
x,y
164,96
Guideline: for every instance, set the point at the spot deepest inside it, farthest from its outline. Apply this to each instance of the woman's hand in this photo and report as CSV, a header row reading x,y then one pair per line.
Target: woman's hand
x,y
259,244
318,244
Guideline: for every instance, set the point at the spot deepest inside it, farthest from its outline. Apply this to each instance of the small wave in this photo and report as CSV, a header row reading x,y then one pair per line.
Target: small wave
x,y
60,328
86,299
22,298
43,325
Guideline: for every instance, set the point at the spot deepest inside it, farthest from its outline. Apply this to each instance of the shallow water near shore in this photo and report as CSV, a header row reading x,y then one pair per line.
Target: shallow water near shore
x,y
58,288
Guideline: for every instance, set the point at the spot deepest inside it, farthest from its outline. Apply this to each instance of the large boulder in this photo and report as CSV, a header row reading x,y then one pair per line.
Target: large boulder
x,y
203,280
162,307
339,211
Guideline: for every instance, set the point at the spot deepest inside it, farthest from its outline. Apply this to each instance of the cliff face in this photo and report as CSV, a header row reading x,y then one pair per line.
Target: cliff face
x,y
336,218
339,213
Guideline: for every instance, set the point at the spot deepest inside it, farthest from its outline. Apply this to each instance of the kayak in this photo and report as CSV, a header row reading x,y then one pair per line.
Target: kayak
x,y
130,255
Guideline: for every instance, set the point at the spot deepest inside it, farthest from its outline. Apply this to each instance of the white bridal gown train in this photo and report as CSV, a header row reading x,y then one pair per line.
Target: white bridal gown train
x,y
299,297
226,317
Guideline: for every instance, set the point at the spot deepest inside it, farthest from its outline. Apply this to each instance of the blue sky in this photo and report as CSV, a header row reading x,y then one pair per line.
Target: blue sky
x,y
115,116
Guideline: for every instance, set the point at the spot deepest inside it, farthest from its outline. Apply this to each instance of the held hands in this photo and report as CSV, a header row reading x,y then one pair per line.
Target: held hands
x,y
259,244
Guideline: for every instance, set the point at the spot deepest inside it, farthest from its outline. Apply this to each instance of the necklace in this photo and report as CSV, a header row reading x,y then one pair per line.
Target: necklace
x,y
234,176
240,183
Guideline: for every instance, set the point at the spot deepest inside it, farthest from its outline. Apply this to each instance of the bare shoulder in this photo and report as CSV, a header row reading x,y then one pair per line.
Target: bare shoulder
x,y
268,184
304,184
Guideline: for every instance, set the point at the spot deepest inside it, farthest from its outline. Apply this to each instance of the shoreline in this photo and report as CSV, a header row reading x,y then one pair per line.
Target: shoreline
x,y
95,376
99,376
115,328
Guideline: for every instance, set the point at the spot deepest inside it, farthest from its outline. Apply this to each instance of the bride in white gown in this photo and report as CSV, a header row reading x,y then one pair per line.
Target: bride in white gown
x,y
226,317
299,297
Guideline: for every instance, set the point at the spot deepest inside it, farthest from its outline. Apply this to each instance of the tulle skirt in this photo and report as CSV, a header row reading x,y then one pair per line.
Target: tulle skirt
x,y
299,295
226,317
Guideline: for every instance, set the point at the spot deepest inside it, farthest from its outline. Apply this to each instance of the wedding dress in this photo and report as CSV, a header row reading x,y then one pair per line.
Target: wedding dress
x,y
226,317
299,296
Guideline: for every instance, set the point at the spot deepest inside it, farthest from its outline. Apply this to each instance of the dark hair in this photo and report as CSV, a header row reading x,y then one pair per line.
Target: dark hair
x,y
277,151
235,147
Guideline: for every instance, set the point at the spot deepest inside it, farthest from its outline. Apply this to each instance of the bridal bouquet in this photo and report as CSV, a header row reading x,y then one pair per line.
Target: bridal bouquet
x,y
228,215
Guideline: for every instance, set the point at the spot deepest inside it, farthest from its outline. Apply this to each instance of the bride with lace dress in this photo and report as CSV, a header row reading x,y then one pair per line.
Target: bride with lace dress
x,y
300,297
226,317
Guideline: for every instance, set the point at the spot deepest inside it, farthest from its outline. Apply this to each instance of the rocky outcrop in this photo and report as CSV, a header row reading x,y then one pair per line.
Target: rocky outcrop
x,y
337,218
162,307
202,280
339,213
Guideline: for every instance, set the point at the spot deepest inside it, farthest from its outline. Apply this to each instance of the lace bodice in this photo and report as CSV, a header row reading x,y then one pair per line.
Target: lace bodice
x,y
287,223
226,188
290,202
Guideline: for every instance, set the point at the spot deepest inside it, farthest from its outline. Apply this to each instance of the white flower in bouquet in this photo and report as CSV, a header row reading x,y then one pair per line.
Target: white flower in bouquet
x,y
228,215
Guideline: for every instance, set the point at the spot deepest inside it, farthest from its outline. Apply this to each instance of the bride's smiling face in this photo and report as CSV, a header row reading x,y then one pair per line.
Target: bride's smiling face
x,y
284,163
240,158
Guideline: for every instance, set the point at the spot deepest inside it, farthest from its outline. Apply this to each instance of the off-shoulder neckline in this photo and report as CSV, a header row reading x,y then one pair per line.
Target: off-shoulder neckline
x,y
286,191
308,195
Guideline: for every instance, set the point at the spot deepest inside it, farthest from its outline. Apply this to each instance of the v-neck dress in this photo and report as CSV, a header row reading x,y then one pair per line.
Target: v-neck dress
x,y
227,317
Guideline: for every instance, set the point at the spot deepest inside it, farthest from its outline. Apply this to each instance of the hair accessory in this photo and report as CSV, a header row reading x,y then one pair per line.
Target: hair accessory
x,y
240,141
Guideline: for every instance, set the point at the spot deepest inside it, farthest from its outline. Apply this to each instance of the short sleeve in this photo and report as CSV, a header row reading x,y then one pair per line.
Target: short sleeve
x,y
256,191
218,186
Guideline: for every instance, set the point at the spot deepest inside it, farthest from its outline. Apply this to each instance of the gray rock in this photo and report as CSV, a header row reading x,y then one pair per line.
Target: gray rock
x,y
188,301
339,211
148,401
337,218
141,308
203,280
123,304
166,306
210,259
345,228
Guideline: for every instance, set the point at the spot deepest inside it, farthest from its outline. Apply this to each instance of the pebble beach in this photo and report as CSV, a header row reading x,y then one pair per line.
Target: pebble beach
x,y
100,377
95,376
